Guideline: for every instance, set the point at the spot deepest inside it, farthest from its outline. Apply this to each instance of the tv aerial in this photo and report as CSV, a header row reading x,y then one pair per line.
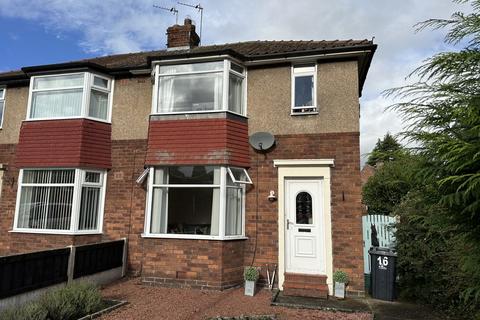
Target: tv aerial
x,y
261,141
173,10
200,9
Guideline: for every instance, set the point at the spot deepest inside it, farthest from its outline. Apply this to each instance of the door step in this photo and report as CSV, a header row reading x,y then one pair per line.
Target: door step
x,y
305,285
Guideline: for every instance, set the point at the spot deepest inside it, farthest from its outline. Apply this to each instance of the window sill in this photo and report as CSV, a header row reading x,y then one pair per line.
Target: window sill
x,y
68,118
57,232
196,112
192,237
303,113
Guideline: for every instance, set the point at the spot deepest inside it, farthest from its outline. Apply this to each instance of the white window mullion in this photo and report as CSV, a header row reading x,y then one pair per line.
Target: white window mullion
x,y
86,94
19,192
102,201
223,197
226,83
148,215
77,193
155,100
110,103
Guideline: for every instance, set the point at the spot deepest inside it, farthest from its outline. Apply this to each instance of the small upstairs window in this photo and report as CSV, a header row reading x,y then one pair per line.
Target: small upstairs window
x,y
304,92
200,87
2,106
75,95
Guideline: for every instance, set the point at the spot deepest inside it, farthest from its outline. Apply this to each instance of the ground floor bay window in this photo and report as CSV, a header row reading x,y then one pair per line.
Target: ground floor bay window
x,y
196,202
60,201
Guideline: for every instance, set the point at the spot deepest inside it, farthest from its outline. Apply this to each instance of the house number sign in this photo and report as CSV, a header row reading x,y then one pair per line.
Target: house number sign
x,y
382,263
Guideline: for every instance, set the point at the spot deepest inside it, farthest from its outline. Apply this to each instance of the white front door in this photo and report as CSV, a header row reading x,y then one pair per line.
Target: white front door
x,y
305,244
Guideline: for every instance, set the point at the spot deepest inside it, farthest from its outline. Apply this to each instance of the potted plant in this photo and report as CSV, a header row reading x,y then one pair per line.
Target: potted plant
x,y
340,278
251,275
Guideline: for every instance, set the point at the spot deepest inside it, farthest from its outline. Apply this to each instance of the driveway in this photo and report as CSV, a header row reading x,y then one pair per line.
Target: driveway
x,y
145,302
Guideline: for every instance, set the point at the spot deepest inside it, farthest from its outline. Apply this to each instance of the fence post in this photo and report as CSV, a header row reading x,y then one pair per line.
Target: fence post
x,y
71,263
124,258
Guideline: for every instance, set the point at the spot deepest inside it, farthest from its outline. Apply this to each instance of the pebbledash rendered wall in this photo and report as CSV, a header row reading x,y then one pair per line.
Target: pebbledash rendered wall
x,y
209,263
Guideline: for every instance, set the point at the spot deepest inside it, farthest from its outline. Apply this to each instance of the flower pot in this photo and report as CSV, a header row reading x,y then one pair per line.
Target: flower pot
x,y
250,287
339,290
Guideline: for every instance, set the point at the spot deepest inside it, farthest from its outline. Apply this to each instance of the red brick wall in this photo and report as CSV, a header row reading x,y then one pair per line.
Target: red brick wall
x,y
64,143
345,200
213,263
198,141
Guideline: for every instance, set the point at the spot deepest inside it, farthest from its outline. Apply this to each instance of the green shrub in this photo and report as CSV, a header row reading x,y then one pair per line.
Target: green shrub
x,y
67,303
251,273
72,301
340,276
29,311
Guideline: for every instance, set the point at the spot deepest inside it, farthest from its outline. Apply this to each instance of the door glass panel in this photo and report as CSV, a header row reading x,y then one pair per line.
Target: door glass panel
x,y
304,208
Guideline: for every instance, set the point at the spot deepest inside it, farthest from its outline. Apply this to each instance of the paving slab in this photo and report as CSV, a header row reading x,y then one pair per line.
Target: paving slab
x,y
330,304
381,310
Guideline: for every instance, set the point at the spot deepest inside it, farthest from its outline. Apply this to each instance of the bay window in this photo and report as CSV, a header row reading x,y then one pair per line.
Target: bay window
x,y
200,87
75,95
195,202
60,201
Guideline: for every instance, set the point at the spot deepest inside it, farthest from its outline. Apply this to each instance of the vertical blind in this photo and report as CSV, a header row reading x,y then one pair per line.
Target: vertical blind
x,y
47,198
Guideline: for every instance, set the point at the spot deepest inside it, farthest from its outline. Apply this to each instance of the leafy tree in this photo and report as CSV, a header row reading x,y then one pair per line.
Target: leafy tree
x,y
390,184
385,150
443,108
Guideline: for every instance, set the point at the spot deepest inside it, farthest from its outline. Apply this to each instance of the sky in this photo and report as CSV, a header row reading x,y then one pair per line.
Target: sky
x,y
51,31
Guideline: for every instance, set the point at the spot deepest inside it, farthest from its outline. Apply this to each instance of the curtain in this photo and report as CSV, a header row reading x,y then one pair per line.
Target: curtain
x,y
159,219
98,105
233,220
57,103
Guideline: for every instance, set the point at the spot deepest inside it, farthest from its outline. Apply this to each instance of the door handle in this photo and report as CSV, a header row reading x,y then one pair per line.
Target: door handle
x,y
288,224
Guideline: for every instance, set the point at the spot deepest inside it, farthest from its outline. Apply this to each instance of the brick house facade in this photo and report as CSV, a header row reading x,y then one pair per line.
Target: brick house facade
x,y
107,169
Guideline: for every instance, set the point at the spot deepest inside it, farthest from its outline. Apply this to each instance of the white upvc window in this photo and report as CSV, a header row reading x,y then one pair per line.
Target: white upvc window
x,y
69,96
2,105
195,202
304,89
200,87
60,201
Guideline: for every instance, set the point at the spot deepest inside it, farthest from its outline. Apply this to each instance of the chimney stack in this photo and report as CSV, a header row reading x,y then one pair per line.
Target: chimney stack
x,y
182,37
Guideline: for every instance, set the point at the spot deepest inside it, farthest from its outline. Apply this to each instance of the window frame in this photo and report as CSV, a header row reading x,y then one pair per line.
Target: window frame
x,y
226,71
88,86
76,202
222,217
235,180
313,73
2,99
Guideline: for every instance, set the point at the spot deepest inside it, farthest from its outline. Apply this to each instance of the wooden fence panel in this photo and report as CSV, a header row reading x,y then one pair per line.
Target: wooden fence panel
x,y
26,272
94,258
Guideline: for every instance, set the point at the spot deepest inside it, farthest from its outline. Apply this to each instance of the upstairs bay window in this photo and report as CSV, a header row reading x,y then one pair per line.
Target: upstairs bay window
x,y
200,87
195,202
60,201
75,95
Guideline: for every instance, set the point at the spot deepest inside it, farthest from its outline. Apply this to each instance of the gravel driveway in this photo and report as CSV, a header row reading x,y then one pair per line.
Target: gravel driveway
x,y
147,302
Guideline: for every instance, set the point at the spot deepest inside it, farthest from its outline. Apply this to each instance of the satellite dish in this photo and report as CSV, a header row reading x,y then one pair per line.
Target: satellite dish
x,y
261,141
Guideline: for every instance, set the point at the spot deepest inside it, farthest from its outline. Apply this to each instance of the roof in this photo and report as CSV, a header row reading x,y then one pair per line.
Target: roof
x,y
245,51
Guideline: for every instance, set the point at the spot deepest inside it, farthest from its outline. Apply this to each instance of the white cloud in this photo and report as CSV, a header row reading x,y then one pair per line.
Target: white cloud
x,y
112,26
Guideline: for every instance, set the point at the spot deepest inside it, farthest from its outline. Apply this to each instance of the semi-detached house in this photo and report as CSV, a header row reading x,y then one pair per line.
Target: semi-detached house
x,y
154,147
